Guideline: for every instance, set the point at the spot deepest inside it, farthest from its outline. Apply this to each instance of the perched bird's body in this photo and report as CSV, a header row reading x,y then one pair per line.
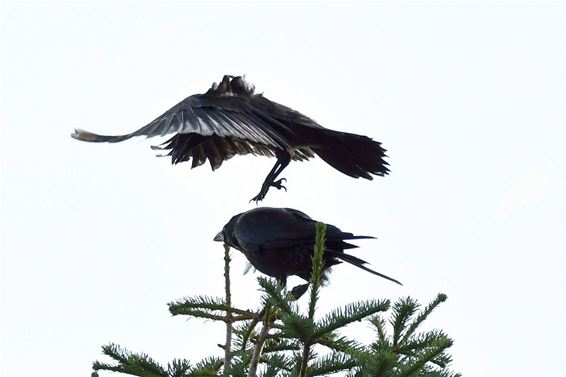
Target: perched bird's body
x,y
280,242
231,119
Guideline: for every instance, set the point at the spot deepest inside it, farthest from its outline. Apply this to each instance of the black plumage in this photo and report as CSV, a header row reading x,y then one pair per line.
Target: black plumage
x,y
280,242
231,119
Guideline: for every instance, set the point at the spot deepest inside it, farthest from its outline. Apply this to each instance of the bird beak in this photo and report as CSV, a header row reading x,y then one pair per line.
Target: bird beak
x,y
219,237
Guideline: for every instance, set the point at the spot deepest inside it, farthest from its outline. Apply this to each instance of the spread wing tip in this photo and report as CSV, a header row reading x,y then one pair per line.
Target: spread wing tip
x,y
76,132
92,137
84,135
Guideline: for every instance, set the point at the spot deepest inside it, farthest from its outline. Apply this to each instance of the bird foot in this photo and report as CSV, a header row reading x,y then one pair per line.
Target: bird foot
x,y
259,197
264,188
298,291
279,185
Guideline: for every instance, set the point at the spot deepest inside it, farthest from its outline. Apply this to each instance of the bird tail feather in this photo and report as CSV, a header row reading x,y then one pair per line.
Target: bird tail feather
x,y
360,263
337,243
353,155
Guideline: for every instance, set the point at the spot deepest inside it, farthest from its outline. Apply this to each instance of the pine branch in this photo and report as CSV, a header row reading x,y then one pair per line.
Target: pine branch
x,y
341,344
403,310
382,363
207,307
181,307
442,360
317,266
307,328
331,363
274,297
130,363
440,298
350,313
305,360
295,326
229,319
260,343
277,345
208,367
417,354
238,367
178,368
425,343
276,363
422,341
437,347
379,324
244,332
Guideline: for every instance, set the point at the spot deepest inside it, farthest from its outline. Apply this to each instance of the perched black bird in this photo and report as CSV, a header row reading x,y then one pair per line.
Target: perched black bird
x,y
231,119
280,242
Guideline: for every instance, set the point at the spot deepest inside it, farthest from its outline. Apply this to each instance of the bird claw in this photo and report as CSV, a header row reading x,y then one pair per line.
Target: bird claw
x,y
259,197
278,184
256,199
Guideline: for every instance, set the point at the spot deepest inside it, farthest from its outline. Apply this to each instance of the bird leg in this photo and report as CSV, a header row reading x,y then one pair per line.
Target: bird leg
x,y
283,159
297,291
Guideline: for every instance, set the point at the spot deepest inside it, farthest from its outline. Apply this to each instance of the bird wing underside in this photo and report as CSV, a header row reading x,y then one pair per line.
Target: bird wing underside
x,y
217,149
231,117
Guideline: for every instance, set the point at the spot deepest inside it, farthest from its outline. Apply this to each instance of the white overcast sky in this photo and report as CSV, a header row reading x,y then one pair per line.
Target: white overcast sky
x,y
468,98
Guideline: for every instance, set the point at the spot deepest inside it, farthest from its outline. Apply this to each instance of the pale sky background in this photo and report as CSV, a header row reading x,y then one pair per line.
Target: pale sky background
x,y
468,98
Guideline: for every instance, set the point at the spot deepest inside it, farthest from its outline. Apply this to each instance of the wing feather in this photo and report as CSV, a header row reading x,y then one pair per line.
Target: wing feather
x,y
192,121
202,114
214,154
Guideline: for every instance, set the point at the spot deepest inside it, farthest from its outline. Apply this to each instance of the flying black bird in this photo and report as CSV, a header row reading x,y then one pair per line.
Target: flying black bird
x,y
231,119
279,242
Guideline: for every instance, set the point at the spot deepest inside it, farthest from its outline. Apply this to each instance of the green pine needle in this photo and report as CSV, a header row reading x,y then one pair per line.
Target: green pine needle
x,y
440,298
437,347
403,310
296,326
274,296
208,366
341,344
130,363
379,324
277,345
178,368
331,363
350,313
276,363
317,266
186,305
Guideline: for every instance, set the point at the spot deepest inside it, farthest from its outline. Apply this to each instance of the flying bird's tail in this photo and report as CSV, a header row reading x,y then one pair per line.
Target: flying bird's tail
x,y
358,263
353,155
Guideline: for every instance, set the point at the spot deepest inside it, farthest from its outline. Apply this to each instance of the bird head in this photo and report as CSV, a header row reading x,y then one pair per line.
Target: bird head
x,y
239,86
227,234
224,85
221,89
220,236
232,86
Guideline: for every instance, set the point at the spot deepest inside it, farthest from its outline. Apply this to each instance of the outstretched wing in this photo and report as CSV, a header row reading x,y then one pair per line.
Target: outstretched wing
x,y
225,116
